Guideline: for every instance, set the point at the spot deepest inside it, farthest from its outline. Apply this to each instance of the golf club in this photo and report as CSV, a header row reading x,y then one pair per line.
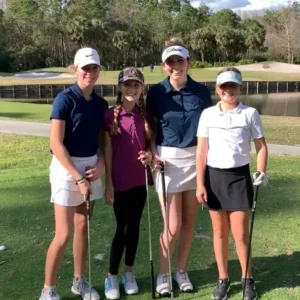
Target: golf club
x,y
162,171
88,210
250,236
150,236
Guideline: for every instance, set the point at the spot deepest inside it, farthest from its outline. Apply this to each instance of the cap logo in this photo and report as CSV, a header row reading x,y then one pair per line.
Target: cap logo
x,y
168,50
88,55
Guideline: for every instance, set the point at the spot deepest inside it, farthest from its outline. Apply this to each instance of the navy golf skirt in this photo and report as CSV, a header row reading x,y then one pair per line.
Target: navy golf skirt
x,y
229,189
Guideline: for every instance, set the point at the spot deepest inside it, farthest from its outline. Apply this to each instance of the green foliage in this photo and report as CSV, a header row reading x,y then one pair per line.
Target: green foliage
x,y
246,61
131,31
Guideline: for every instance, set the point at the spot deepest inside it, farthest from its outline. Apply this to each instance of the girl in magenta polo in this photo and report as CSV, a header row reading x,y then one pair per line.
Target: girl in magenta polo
x,y
126,138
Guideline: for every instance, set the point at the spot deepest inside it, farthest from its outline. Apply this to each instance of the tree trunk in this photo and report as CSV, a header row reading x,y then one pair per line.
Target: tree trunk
x,y
135,58
202,56
288,43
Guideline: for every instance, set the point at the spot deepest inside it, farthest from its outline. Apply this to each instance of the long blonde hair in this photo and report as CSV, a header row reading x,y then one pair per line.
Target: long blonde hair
x,y
114,126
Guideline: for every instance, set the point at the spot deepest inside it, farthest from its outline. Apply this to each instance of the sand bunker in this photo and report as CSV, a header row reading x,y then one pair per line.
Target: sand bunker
x,y
275,67
45,75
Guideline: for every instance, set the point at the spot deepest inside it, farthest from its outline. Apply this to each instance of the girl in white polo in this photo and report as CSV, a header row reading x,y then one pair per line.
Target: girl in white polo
x,y
223,176
76,124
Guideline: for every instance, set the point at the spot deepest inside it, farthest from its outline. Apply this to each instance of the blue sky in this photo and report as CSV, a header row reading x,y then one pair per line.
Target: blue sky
x,y
239,4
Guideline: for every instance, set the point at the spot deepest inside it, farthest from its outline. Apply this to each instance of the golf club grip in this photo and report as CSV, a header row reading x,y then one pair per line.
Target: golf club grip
x,y
152,280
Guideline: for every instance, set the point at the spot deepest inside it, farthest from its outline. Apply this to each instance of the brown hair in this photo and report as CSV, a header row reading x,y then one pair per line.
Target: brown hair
x,y
114,126
233,69
175,41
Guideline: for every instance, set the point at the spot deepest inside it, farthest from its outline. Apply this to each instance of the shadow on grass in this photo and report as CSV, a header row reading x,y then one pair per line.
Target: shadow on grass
x,y
15,115
270,273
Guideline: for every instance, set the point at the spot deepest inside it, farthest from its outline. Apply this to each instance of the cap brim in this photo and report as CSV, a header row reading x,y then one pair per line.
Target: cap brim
x,y
175,54
132,78
228,81
90,62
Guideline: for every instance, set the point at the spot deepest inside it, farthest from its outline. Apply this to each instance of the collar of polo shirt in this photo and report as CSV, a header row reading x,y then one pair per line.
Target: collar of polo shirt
x,y
237,110
124,112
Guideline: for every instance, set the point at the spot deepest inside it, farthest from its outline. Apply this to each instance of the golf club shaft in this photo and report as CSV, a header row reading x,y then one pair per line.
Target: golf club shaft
x,y
89,240
167,227
250,235
150,235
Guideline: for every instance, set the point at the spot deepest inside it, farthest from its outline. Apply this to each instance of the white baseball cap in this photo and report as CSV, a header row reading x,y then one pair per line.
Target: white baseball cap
x,y
175,50
86,56
229,76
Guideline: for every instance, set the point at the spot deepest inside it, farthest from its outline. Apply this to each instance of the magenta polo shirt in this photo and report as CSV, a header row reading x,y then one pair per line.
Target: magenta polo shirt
x,y
127,171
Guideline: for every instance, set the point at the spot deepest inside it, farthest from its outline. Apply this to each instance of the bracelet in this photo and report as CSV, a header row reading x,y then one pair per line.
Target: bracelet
x,y
80,180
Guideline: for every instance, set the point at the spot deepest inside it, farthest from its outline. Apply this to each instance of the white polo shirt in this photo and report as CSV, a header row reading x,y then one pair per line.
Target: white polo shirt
x,y
229,135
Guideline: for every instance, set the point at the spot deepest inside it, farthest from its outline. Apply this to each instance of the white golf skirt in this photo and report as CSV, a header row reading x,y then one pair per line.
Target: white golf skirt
x,y
180,169
64,190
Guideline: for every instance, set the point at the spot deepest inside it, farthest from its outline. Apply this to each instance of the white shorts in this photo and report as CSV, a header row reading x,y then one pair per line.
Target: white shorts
x,y
180,169
64,190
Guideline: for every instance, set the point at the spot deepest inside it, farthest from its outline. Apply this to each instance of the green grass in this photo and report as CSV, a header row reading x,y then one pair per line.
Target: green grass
x,y
279,130
26,228
25,111
110,77
282,130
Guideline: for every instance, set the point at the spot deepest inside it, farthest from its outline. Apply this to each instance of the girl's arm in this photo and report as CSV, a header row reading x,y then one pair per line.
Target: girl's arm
x,y
100,160
57,133
262,154
201,159
108,158
109,188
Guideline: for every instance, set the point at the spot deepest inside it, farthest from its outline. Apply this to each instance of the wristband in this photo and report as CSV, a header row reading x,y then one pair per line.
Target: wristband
x,y
80,180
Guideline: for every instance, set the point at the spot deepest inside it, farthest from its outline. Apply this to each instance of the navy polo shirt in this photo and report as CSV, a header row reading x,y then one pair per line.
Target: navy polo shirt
x,y
177,112
84,119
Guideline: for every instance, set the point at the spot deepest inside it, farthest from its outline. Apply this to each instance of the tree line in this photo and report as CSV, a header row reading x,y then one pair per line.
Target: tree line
x,y
47,33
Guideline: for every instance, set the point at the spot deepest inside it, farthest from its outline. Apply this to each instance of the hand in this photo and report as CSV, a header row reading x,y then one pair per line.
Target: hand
x,y
85,189
109,194
93,173
201,194
145,157
260,179
156,162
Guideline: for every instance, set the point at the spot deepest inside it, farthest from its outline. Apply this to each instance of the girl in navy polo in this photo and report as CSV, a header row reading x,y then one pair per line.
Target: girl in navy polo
x,y
76,124
177,103
126,138
223,175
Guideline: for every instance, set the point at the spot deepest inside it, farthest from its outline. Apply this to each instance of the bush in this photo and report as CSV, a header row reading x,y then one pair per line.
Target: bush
x,y
246,62
6,60
224,63
196,64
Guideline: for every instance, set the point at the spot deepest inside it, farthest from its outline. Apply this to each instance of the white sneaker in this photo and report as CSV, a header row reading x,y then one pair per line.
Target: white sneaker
x,y
82,287
129,282
163,285
112,290
183,281
49,294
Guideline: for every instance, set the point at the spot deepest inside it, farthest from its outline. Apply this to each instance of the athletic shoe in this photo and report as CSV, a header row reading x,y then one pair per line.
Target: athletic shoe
x,y
129,282
163,286
112,290
183,281
250,291
82,287
49,294
221,289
